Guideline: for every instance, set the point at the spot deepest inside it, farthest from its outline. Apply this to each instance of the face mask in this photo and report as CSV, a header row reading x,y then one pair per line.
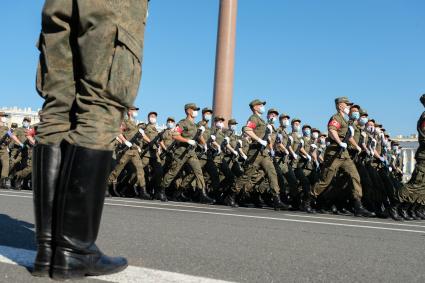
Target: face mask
x,y
296,128
219,125
207,117
152,120
371,129
285,123
194,114
134,114
315,135
355,115
347,110
262,109
363,121
25,125
233,127
170,125
323,141
272,120
307,132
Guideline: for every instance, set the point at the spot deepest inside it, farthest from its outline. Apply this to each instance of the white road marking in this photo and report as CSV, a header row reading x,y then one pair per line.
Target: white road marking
x,y
271,218
15,256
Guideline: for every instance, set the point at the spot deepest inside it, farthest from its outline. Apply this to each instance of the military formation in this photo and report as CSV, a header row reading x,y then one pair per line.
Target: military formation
x,y
276,161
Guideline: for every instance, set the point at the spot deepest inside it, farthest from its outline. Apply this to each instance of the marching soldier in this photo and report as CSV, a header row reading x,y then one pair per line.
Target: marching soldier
x,y
337,157
187,134
258,153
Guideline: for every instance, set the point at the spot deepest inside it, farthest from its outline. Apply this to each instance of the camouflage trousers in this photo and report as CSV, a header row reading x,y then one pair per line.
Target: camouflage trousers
x,y
89,69
4,162
414,190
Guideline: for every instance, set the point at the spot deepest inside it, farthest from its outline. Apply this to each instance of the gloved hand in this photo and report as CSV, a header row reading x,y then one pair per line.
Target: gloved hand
x,y
21,145
295,156
359,149
202,128
272,153
313,146
244,157
205,148
227,139
191,142
128,144
262,142
213,137
235,153
141,131
343,145
218,150
308,157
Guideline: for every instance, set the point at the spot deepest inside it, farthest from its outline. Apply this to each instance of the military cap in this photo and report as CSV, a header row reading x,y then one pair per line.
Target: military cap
x,y
314,130
306,126
378,124
14,125
191,106
256,102
355,106
295,120
133,108
28,119
372,120
219,118
323,135
272,110
153,112
284,115
423,98
232,122
206,109
363,112
171,119
343,99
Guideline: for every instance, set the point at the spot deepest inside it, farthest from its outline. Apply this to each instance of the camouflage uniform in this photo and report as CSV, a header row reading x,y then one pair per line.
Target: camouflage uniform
x,y
4,152
89,69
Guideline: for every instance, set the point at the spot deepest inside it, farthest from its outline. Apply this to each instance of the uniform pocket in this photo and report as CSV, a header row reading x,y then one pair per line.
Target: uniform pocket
x,y
125,72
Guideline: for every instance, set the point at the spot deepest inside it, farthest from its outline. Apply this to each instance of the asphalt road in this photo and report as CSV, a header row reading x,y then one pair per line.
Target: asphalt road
x,y
198,242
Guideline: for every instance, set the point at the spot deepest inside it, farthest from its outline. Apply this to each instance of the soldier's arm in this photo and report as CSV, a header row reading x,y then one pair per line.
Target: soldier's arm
x,y
334,135
15,139
354,144
251,134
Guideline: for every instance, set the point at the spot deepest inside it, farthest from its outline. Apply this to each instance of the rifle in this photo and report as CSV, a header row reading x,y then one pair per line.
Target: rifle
x,y
153,142
191,147
122,148
169,150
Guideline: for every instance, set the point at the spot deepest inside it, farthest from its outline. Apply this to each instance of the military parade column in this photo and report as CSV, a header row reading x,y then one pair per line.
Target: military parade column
x,y
225,59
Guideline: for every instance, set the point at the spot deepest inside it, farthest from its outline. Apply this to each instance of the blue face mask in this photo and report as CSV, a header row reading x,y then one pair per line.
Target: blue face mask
x,y
355,115
262,109
363,121
307,132
285,123
296,129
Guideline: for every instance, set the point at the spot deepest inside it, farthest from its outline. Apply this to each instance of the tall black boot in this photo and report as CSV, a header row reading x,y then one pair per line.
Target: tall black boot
x,y
360,211
160,194
413,212
230,200
307,205
5,183
278,204
142,193
115,189
45,175
403,211
204,198
393,212
420,211
78,211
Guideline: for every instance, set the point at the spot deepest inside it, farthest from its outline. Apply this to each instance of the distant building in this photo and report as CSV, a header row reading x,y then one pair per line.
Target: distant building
x,y
409,145
16,115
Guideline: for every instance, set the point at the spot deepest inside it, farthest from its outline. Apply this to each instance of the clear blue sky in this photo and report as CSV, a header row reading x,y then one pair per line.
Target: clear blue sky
x,y
298,55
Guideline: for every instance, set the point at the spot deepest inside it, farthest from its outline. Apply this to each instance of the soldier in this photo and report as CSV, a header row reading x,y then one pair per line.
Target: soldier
x,y
131,139
20,133
413,193
88,74
337,157
187,134
258,153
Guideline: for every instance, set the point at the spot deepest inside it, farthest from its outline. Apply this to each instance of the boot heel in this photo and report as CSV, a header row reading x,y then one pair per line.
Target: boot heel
x,y
40,270
66,274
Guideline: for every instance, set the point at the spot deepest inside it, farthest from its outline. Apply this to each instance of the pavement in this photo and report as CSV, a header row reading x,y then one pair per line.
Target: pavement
x,y
186,242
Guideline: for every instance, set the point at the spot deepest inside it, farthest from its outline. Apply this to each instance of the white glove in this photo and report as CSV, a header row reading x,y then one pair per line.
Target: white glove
x,y
295,156
272,153
351,128
235,153
227,139
308,157
382,159
359,149
244,157
205,148
262,142
313,146
128,144
141,131
202,128
291,139
270,128
213,137
343,145
139,149
219,150
191,142
302,142
280,136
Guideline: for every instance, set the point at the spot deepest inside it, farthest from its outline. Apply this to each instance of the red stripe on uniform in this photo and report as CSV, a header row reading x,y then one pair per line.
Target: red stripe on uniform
x,y
334,123
251,125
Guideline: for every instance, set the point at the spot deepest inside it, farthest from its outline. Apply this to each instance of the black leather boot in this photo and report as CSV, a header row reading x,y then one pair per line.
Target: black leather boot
x,y
403,212
393,212
307,205
278,204
142,193
420,212
204,198
46,164
360,211
5,183
78,210
413,212
258,201
115,189
160,194
230,200
178,196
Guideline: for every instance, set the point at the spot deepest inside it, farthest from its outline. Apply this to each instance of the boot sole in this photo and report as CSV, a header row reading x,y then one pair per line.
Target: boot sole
x,y
40,271
66,274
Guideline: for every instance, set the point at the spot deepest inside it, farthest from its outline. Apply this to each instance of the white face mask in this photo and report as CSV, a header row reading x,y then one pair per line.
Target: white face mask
x,y
170,125
262,109
371,129
207,117
194,113
272,119
233,127
25,125
152,120
219,125
315,135
347,110
285,123
134,114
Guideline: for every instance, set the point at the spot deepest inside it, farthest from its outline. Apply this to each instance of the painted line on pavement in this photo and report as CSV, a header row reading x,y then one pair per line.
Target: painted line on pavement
x,y
15,256
276,218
